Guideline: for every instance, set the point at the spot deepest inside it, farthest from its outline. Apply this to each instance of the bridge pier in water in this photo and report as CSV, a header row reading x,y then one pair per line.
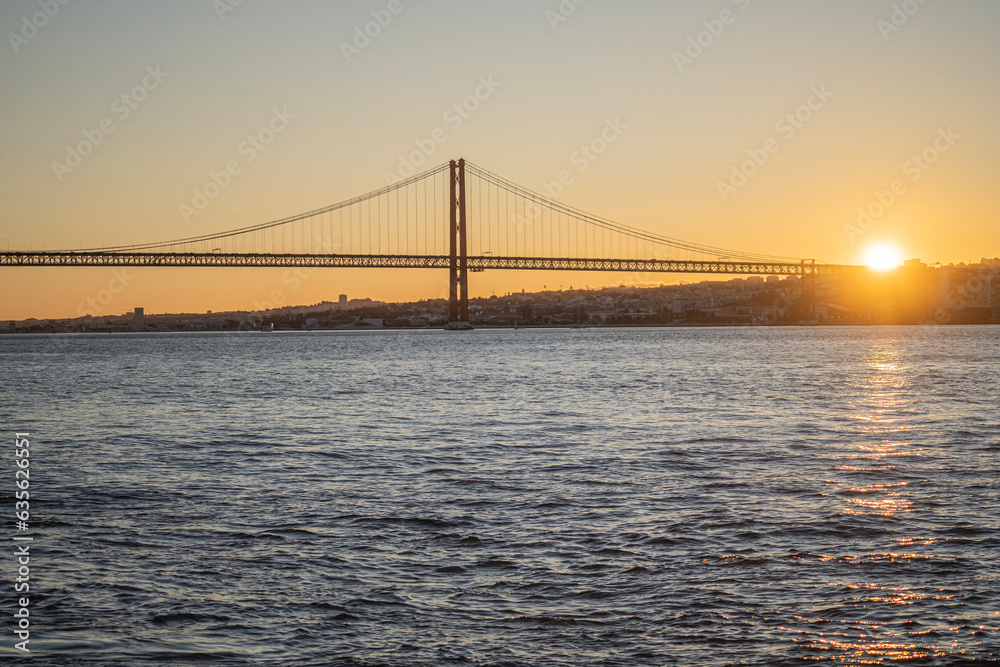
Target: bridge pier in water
x,y
807,304
458,269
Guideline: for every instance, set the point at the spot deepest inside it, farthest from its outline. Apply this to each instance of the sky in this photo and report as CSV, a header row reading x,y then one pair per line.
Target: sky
x,y
863,121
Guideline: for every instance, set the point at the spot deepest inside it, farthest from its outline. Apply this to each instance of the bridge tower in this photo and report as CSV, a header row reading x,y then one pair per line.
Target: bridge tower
x,y
808,301
458,307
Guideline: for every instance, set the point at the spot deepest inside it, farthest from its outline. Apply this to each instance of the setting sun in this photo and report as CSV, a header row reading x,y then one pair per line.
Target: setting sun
x,y
883,257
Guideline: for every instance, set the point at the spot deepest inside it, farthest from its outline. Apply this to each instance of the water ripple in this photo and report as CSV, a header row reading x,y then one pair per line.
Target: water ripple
x,y
598,497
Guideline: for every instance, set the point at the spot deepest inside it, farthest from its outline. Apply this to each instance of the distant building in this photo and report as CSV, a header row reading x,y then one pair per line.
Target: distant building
x,y
964,288
364,303
754,282
343,302
138,322
680,306
772,281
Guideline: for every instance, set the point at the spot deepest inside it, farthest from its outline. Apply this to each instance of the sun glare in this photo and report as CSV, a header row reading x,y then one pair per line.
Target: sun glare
x,y
883,257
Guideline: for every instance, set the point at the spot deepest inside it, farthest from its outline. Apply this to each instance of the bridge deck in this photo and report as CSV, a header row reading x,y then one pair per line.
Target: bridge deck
x,y
475,263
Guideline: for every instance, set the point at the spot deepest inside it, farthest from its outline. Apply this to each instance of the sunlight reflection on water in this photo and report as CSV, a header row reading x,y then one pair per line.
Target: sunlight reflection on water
x,y
642,497
881,407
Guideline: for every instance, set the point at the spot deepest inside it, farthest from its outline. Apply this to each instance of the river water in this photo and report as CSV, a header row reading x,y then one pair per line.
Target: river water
x,y
524,497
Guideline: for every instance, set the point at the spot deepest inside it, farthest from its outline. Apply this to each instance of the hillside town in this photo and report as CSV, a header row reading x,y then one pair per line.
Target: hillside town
x,y
914,294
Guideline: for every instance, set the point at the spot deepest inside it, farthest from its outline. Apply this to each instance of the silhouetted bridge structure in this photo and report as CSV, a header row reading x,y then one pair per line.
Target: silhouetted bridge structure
x,y
455,217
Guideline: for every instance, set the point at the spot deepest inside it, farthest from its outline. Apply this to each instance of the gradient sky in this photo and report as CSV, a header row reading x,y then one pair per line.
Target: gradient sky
x,y
892,94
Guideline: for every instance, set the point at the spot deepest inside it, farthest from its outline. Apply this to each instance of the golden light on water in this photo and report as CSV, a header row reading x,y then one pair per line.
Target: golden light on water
x,y
878,499
868,486
868,642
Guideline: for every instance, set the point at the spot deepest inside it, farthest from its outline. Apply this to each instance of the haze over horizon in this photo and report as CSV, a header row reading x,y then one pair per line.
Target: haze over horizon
x,y
796,129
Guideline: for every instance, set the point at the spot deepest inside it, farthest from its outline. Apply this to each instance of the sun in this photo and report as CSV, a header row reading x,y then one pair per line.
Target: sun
x,y
883,257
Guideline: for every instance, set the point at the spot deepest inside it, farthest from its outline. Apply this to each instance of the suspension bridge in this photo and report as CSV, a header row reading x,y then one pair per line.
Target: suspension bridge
x,y
456,217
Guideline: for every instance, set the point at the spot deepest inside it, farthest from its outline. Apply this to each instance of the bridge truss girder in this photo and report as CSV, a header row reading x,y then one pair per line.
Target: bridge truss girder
x,y
474,263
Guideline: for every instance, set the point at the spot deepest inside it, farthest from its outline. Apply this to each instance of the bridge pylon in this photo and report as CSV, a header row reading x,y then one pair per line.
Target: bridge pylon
x,y
808,300
458,269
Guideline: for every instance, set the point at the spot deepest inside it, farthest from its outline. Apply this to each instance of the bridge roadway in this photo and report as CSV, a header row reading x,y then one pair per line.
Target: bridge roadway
x,y
475,263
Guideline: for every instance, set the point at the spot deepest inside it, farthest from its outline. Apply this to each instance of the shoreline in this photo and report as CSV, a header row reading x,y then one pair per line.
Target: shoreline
x,y
485,327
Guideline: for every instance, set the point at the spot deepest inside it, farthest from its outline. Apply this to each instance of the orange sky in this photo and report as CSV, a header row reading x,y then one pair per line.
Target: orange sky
x,y
167,93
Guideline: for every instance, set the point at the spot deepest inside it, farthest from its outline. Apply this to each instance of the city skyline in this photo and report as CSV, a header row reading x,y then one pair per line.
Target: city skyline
x,y
859,124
